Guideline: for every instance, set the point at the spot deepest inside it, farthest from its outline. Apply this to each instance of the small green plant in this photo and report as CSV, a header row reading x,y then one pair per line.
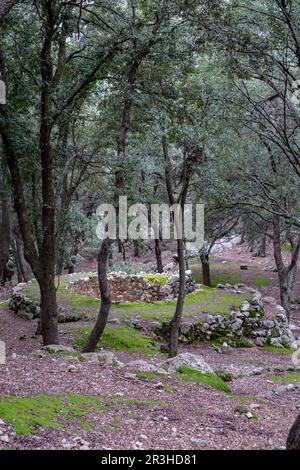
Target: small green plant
x,y
241,410
160,278
261,281
286,378
274,350
169,389
224,375
207,378
146,375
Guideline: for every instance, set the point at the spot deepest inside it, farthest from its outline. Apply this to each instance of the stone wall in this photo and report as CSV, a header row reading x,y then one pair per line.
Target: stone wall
x,y
135,288
246,326
23,306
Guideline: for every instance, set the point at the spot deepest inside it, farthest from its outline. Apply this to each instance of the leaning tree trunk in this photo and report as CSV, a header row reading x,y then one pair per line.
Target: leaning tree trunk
x,y
261,252
159,263
105,297
293,440
176,321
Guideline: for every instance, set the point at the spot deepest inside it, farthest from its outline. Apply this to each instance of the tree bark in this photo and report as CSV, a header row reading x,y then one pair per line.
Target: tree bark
x,y
286,274
49,327
293,440
176,321
159,263
206,273
5,224
18,253
261,252
105,297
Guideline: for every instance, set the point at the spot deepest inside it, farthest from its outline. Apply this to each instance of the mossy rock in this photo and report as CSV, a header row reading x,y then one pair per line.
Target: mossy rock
x,y
204,378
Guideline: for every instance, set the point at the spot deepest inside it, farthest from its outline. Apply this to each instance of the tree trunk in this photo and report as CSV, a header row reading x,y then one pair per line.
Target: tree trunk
x,y
49,327
293,440
286,274
261,252
206,273
176,321
159,263
20,262
5,226
105,297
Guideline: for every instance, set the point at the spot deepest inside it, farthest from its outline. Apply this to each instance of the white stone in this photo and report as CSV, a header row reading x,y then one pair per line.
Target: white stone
x,y
188,360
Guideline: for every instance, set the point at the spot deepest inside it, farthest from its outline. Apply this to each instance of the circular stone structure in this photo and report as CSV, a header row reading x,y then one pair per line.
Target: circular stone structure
x,y
140,287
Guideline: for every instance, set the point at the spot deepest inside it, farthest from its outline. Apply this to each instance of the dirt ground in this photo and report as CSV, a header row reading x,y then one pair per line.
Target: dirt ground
x,y
145,414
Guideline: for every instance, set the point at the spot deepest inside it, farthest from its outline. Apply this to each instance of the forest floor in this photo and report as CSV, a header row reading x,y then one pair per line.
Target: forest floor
x,y
50,403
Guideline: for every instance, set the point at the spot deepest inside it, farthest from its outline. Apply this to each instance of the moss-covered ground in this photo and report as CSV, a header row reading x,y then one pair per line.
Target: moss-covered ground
x,y
229,272
121,338
29,414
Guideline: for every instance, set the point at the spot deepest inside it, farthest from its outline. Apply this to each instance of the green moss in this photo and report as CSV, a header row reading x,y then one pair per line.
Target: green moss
x,y
286,378
121,338
241,410
245,398
160,278
146,375
272,349
87,425
27,414
261,281
210,379
221,273
169,389
136,401
214,301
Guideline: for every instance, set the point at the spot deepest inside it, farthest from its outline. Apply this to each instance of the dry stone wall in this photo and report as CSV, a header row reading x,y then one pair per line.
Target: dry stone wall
x,y
135,288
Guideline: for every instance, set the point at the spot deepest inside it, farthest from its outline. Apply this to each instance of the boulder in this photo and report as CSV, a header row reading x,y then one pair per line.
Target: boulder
x,y
90,357
107,357
58,349
187,360
144,366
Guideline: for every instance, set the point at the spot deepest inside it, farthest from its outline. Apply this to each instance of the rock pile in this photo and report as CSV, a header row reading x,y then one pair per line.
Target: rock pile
x,y
244,327
23,306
